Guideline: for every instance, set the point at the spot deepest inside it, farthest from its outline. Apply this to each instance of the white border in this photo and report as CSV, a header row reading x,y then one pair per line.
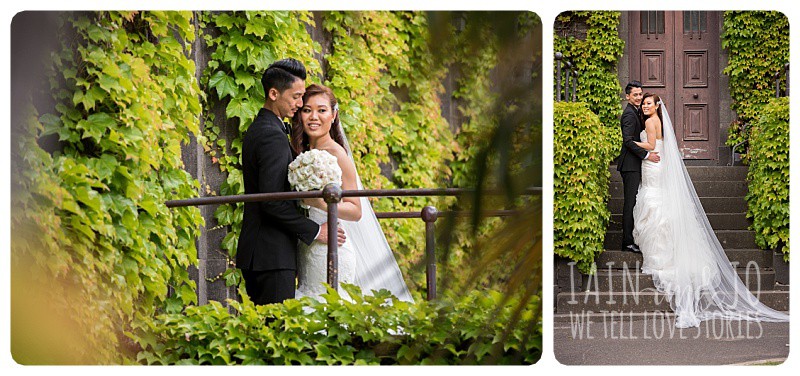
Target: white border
x,y
547,11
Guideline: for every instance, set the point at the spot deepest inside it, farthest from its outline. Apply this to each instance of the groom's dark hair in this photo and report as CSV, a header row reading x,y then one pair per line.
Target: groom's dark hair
x,y
282,74
632,85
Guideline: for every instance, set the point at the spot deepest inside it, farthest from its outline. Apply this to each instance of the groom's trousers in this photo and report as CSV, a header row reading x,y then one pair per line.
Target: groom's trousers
x,y
269,286
630,186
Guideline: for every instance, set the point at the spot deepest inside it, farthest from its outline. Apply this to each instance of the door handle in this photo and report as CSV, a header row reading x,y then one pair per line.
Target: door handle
x,y
695,96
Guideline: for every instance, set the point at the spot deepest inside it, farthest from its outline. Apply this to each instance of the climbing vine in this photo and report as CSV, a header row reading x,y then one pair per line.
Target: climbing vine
x,y
768,176
580,183
491,125
88,214
595,59
758,45
243,45
94,245
581,215
393,120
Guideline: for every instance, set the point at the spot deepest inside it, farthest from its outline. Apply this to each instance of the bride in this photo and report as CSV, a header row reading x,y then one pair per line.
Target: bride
x,y
365,259
679,247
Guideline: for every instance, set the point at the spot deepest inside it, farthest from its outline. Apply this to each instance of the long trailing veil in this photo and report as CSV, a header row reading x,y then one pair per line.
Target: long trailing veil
x,y
376,267
703,284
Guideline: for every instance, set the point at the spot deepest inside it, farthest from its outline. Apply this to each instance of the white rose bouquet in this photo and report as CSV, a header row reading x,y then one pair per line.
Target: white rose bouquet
x,y
314,169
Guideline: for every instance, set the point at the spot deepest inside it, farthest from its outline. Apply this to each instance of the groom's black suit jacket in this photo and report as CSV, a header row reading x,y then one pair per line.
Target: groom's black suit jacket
x,y
270,229
631,155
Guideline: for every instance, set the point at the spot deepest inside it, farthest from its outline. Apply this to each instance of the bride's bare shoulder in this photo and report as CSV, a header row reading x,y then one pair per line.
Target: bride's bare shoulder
x,y
653,121
336,150
339,152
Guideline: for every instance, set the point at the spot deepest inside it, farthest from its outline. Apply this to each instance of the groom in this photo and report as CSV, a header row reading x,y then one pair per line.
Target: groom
x,y
629,162
267,248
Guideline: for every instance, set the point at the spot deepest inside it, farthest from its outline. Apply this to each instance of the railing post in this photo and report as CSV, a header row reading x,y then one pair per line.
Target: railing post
x,y
568,77
575,85
429,214
558,58
332,194
787,78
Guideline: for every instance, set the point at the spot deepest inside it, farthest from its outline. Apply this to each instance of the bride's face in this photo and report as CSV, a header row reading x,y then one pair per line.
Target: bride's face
x,y
648,107
317,116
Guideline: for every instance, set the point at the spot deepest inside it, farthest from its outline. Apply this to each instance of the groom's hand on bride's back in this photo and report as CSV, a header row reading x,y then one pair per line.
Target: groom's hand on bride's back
x,y
323,234
653,156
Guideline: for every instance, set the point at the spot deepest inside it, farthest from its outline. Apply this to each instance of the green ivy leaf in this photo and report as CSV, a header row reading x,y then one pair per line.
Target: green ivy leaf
x,y
225,85
242,108
96,125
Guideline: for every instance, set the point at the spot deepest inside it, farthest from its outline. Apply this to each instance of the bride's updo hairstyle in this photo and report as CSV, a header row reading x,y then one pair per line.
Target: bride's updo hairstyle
x,y
656,99
299,137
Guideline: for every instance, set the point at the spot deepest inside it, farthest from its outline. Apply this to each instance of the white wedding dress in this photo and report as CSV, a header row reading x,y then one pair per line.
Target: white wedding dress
x,y
365,259
312,263
680,249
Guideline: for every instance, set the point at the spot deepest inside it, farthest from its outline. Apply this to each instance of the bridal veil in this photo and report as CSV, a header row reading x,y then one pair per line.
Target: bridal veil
x,y
376,267
703,284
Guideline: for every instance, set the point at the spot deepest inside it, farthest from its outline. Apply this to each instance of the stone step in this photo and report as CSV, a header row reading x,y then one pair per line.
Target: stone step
x,y
632,280
702,173
710,204
741,258
645,301
719,221
703,188
728,238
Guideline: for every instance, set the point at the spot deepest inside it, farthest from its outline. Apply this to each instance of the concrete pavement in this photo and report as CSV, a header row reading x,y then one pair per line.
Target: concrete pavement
x,y
652,339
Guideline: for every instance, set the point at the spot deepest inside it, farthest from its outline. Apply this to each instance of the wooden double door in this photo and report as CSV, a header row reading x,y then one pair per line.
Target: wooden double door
x,y
676,55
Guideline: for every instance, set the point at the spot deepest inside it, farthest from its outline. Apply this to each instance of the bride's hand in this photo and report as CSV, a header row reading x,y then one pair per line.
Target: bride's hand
x,y
318,203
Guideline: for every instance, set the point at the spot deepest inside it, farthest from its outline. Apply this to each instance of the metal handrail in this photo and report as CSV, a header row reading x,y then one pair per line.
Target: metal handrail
x,y
280,196
333,194
743,129
571,77
429,215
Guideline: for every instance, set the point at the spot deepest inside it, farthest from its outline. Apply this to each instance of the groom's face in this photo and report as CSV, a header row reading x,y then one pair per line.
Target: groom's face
x,y
635,96
289,100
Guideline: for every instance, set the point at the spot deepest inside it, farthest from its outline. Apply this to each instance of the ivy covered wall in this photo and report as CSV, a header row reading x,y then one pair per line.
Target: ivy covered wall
x,y
595,55
581,175
137,108
395,121
93,247
761,44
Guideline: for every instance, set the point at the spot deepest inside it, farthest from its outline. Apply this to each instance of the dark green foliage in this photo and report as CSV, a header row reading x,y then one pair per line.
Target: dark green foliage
x,y
91,230
768,176
466,330
89,220
758,46
582,151
586,139
596,60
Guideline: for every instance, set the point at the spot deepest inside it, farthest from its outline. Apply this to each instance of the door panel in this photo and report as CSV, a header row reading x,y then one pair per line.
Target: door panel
x,y
653,68
652,57
695,122
697,85
675,55
695,73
